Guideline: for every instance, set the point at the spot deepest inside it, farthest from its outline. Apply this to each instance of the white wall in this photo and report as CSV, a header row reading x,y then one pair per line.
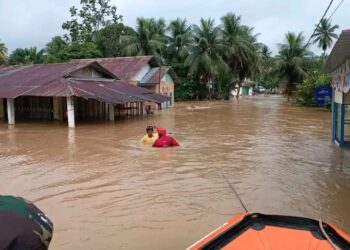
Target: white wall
x,y
338,97
138,77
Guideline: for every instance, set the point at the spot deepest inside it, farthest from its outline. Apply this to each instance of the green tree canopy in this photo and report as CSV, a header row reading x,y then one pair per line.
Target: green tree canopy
x,y
148,38
179,39
108,40
3,52
205,53
56,44
78,51
240,45
93,16
325,35
26,56
292,55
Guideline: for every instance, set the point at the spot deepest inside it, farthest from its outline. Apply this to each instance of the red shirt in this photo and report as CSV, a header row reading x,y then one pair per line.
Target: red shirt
x,y
165,141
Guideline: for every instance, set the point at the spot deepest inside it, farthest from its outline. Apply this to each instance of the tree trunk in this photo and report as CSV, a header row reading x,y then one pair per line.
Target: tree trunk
x,y
238,90
209,90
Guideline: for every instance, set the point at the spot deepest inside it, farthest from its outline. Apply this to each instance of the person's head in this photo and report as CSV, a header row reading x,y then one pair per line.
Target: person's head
x,y
149,131
161,132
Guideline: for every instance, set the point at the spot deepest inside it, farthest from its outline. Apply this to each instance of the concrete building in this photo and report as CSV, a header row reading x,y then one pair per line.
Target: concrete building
x,y
69,91
338,64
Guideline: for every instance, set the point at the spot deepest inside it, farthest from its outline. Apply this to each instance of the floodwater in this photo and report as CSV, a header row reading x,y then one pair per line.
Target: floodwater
x,y
103,190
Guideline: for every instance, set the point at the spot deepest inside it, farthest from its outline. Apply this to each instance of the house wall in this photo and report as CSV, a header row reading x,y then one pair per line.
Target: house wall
x,y
87,72
340,113
167,88
143,71
338,97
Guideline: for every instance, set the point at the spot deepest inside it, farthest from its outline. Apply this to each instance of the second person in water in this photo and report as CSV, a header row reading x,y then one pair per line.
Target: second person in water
x,y
159,139
164,140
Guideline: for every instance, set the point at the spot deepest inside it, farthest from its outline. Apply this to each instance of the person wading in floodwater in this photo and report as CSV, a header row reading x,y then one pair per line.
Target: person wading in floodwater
x,y
151,137
164,140
23,226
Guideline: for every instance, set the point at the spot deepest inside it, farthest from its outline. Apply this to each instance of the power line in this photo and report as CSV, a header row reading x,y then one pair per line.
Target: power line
x,y
336,9
325,13
234,191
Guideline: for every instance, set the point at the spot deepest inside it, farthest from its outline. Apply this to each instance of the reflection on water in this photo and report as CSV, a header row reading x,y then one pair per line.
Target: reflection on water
x,y
104,190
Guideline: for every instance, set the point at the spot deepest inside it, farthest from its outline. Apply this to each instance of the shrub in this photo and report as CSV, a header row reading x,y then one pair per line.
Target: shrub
x,y
306,91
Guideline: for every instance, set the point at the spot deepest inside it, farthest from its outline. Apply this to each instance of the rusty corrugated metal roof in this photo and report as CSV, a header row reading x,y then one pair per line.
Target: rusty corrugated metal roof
x,y
56,80
117,92
340,52
38,74
126,67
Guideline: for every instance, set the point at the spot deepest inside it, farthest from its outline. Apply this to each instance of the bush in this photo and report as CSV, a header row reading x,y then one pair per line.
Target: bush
x,y
306,91
189,90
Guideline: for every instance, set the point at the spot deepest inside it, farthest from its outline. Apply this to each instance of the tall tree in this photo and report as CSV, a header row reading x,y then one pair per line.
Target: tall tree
x,y
147,39
266,74
93,16
291,59
56,44
3,52
205,54
26,56
240,47
77,50
325,35
180,39
108,40
53,48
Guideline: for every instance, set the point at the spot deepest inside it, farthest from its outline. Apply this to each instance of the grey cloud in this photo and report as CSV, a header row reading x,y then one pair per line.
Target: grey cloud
x,y
25,23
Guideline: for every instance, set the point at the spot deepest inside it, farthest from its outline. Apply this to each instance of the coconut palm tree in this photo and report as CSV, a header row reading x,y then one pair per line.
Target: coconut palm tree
x,y
26,56
291,59
265,51
240,47
325,34
179,39
205,53
3,52
147,39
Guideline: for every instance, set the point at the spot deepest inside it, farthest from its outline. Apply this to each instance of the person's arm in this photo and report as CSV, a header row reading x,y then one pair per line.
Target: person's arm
x,y
142,139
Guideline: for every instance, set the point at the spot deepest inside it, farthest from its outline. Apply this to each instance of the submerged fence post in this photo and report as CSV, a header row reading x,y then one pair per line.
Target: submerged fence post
x,y
111,112
11,111
70,112
57,108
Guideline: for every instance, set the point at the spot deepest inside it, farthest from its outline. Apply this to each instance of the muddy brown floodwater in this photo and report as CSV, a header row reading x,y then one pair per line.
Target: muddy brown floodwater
x,y
104,190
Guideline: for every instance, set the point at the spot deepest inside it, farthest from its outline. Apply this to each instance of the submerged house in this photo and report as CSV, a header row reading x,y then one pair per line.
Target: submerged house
x,y
146,72
338,64
69,91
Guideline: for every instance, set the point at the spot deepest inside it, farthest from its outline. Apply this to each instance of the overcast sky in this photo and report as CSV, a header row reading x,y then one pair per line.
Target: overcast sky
x,y
26,23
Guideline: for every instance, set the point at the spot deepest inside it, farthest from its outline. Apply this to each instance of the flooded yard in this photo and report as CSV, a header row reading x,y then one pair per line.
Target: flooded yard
x,y
104,190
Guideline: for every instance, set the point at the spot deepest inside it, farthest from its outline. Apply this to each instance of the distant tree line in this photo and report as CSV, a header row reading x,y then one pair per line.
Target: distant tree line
x,y
211,59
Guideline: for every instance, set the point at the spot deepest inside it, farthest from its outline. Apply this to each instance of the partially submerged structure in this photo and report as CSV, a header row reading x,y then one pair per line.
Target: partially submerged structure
x,y
338,64
144,71
66,91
